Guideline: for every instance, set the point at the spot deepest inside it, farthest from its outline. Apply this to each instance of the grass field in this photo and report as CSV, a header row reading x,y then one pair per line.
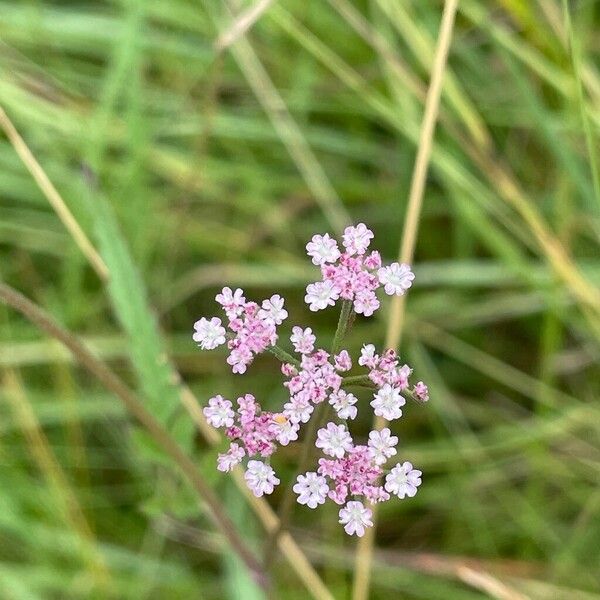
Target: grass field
x,y
153,152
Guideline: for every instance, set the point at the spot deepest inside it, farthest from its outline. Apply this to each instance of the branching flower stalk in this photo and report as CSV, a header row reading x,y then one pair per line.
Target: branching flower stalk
x,y
351,474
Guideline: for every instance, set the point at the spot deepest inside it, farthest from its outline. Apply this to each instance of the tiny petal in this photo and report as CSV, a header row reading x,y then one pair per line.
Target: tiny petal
x,y
403,480
322,249
382,445
334,440
260,478
231,458
357,239
320,295
387,402
312,489
272,310
355,518
219,412
396,278
303,340
342,361
209,334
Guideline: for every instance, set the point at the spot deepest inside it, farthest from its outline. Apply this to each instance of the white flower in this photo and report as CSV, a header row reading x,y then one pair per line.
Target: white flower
x,y
368,358
387,402
209,334
232,302
297,410
260,478
355,517
231,458
303,340
322,249
320,295
343,403
219,412
334,440
311,489
287,430
272,310
396,278
382,444
357,239
403,480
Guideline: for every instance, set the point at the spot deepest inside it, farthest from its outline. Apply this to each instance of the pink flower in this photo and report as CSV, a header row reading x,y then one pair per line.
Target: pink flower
x,y
403,480
232,302
355,518
231,458
219,412
260,478
421,392
311,489
272,310
396,278
373,261
320,295
334,440
365,303
322,249
342,361
382,444
303,340
209,334
357,239
387,402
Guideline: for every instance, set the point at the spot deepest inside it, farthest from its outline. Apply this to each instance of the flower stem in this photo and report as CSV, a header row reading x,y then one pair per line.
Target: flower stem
x,y
282,355
317,421
343,326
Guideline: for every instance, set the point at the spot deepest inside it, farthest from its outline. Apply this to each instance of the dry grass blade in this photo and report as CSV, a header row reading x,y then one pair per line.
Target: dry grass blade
x,y
290,134
52,195
489,584
364,553
244,22
285,542
137,409
61,489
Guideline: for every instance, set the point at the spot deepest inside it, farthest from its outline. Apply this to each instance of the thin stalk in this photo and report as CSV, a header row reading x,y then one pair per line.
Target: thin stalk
x,y
344,323
589,140
54,198
317,421
364,381
283,356
364,550
135,406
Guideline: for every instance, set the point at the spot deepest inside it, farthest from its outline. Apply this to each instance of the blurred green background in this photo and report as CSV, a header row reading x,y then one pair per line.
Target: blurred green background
x,y
190,169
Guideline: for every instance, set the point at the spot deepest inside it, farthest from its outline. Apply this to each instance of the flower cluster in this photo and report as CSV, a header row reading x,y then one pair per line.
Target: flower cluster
x,y
352,475
353,275
253,327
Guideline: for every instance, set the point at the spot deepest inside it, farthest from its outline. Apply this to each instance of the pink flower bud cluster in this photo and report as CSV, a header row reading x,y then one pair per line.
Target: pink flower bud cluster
x,y
254,327
353,275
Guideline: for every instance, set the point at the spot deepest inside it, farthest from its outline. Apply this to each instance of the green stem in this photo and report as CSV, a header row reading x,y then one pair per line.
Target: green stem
x,y
342,327
364,381
283,356
318,420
